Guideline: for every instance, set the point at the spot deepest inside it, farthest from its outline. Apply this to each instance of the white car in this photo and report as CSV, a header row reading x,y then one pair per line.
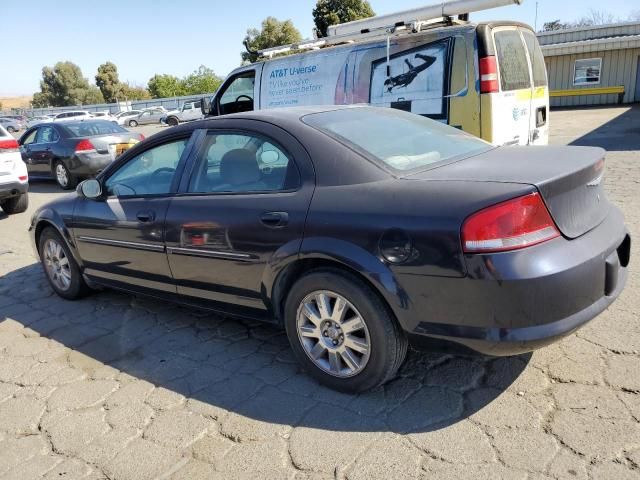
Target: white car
x,y
14,179
188,112
123,117
72,116
104,116
37,120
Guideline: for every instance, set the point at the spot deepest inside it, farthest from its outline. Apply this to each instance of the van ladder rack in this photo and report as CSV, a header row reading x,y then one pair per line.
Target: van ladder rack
x,y
404,22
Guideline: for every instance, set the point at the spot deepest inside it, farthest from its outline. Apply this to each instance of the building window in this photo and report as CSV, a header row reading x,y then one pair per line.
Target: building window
x,y
587,71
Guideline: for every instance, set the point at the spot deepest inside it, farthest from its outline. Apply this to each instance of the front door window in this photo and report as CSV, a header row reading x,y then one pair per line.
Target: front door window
x,y
238,94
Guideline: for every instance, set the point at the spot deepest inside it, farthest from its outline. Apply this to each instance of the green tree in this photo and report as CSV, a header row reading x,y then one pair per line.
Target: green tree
x,y
202,80
162,86
0,106
108,82
63,85
131,92
272,34
333,12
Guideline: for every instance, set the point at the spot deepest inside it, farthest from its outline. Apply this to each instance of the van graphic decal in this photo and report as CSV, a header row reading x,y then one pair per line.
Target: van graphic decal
x,y
405,79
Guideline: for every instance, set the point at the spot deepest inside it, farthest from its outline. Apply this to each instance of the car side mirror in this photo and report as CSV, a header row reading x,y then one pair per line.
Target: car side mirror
x,y
91,189
205,106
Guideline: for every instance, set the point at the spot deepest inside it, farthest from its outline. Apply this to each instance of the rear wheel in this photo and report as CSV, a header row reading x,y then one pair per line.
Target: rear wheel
x,y
65,180
61,269
11,129
17,204
341,331
172,121
133,123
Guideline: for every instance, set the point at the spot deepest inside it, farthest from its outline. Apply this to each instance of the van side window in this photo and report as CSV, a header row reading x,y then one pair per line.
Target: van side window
x,y
237,95
512,60
537,59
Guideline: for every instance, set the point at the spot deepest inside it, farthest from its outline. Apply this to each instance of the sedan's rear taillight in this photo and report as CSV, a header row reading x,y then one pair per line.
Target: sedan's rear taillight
x,y
85,146
10,145
517,223
142,137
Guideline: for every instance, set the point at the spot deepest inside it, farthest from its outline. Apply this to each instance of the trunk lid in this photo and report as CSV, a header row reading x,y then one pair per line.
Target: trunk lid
x,y
570,179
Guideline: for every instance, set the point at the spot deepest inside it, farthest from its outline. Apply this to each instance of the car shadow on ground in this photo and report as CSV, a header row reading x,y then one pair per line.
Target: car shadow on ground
x,y
224,365
621,134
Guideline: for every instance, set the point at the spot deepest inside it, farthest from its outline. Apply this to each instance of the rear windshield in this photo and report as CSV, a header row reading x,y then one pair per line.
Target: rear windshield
x,y
91,128
401,141
512,60
537,59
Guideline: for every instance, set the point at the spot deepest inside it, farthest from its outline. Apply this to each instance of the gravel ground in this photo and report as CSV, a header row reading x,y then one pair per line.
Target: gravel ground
x,y
120,387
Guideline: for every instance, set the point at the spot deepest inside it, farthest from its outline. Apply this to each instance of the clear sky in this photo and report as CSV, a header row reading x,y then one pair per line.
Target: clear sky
x,y
144,37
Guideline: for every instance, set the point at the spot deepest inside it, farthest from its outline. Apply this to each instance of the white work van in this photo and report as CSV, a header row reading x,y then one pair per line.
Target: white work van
x,y
489,79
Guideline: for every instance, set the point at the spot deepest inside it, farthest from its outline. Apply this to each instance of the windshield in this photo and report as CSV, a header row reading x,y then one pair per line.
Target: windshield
x,y
400,140
89,128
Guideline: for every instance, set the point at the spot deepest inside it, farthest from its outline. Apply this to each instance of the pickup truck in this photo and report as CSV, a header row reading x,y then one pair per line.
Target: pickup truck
x,y
187,112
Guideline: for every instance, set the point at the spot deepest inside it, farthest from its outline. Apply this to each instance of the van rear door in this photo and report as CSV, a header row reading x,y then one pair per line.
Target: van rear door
x,y
539,111
511,107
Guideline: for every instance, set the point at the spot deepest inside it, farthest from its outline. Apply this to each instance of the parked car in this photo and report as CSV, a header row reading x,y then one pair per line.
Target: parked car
x,y
33,121
357,228
70,151
72,116
104,116
147,117
11,125
14,179
20,118
188,112
122,117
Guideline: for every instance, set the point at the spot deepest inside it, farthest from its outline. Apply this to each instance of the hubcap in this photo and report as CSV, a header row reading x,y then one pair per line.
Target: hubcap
x,y
333,333
56,264
61,175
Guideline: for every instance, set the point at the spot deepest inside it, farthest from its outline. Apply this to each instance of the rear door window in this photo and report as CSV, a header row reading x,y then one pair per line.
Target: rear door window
x,y
537,59
512,60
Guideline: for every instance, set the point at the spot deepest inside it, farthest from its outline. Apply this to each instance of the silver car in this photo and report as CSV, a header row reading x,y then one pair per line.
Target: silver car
x,y
146,117
11,125
123,117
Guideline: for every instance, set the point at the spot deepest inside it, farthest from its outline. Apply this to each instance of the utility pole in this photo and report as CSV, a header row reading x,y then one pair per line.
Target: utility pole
x,y
535,24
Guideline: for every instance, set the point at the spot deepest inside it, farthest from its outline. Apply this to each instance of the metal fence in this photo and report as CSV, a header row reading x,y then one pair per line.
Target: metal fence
x,y
168,103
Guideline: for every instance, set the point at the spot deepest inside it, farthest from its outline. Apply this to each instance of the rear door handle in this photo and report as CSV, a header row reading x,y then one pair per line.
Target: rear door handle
x,y
275,219
146,216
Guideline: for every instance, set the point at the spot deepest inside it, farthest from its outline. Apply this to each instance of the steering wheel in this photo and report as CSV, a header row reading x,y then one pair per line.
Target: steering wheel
x,y
243,96
163,169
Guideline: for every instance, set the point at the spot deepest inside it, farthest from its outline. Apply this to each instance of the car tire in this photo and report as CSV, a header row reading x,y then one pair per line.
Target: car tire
x,y
14,205
59,266
63,176
11,130
363,358
173,122
133,123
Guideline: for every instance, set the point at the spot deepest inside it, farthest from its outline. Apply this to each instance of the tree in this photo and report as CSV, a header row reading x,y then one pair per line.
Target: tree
x,y
554,25
162,86
131,92
0,106
108,82
333,12
63,85
202,80
273,33
595,17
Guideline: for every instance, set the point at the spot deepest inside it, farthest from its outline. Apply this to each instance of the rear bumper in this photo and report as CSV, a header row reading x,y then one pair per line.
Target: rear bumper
x,y
13,189
89,164
519,301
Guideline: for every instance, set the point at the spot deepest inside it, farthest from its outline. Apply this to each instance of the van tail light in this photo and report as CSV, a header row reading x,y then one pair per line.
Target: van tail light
x,y
85,146
517,223
10,145
488,75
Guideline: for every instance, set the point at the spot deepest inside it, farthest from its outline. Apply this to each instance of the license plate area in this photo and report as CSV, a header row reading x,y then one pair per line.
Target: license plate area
x,y
117,149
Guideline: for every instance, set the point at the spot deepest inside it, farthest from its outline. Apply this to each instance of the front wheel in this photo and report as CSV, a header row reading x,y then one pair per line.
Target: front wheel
x,y
133,123
342,332
17,204
65,180
61,269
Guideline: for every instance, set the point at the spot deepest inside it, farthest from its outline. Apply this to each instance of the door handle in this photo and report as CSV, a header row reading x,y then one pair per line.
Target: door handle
x,y
275,219
146,216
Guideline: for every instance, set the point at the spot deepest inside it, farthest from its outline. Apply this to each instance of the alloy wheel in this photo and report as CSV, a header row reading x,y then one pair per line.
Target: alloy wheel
x,y
62,176
333,333
57,264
